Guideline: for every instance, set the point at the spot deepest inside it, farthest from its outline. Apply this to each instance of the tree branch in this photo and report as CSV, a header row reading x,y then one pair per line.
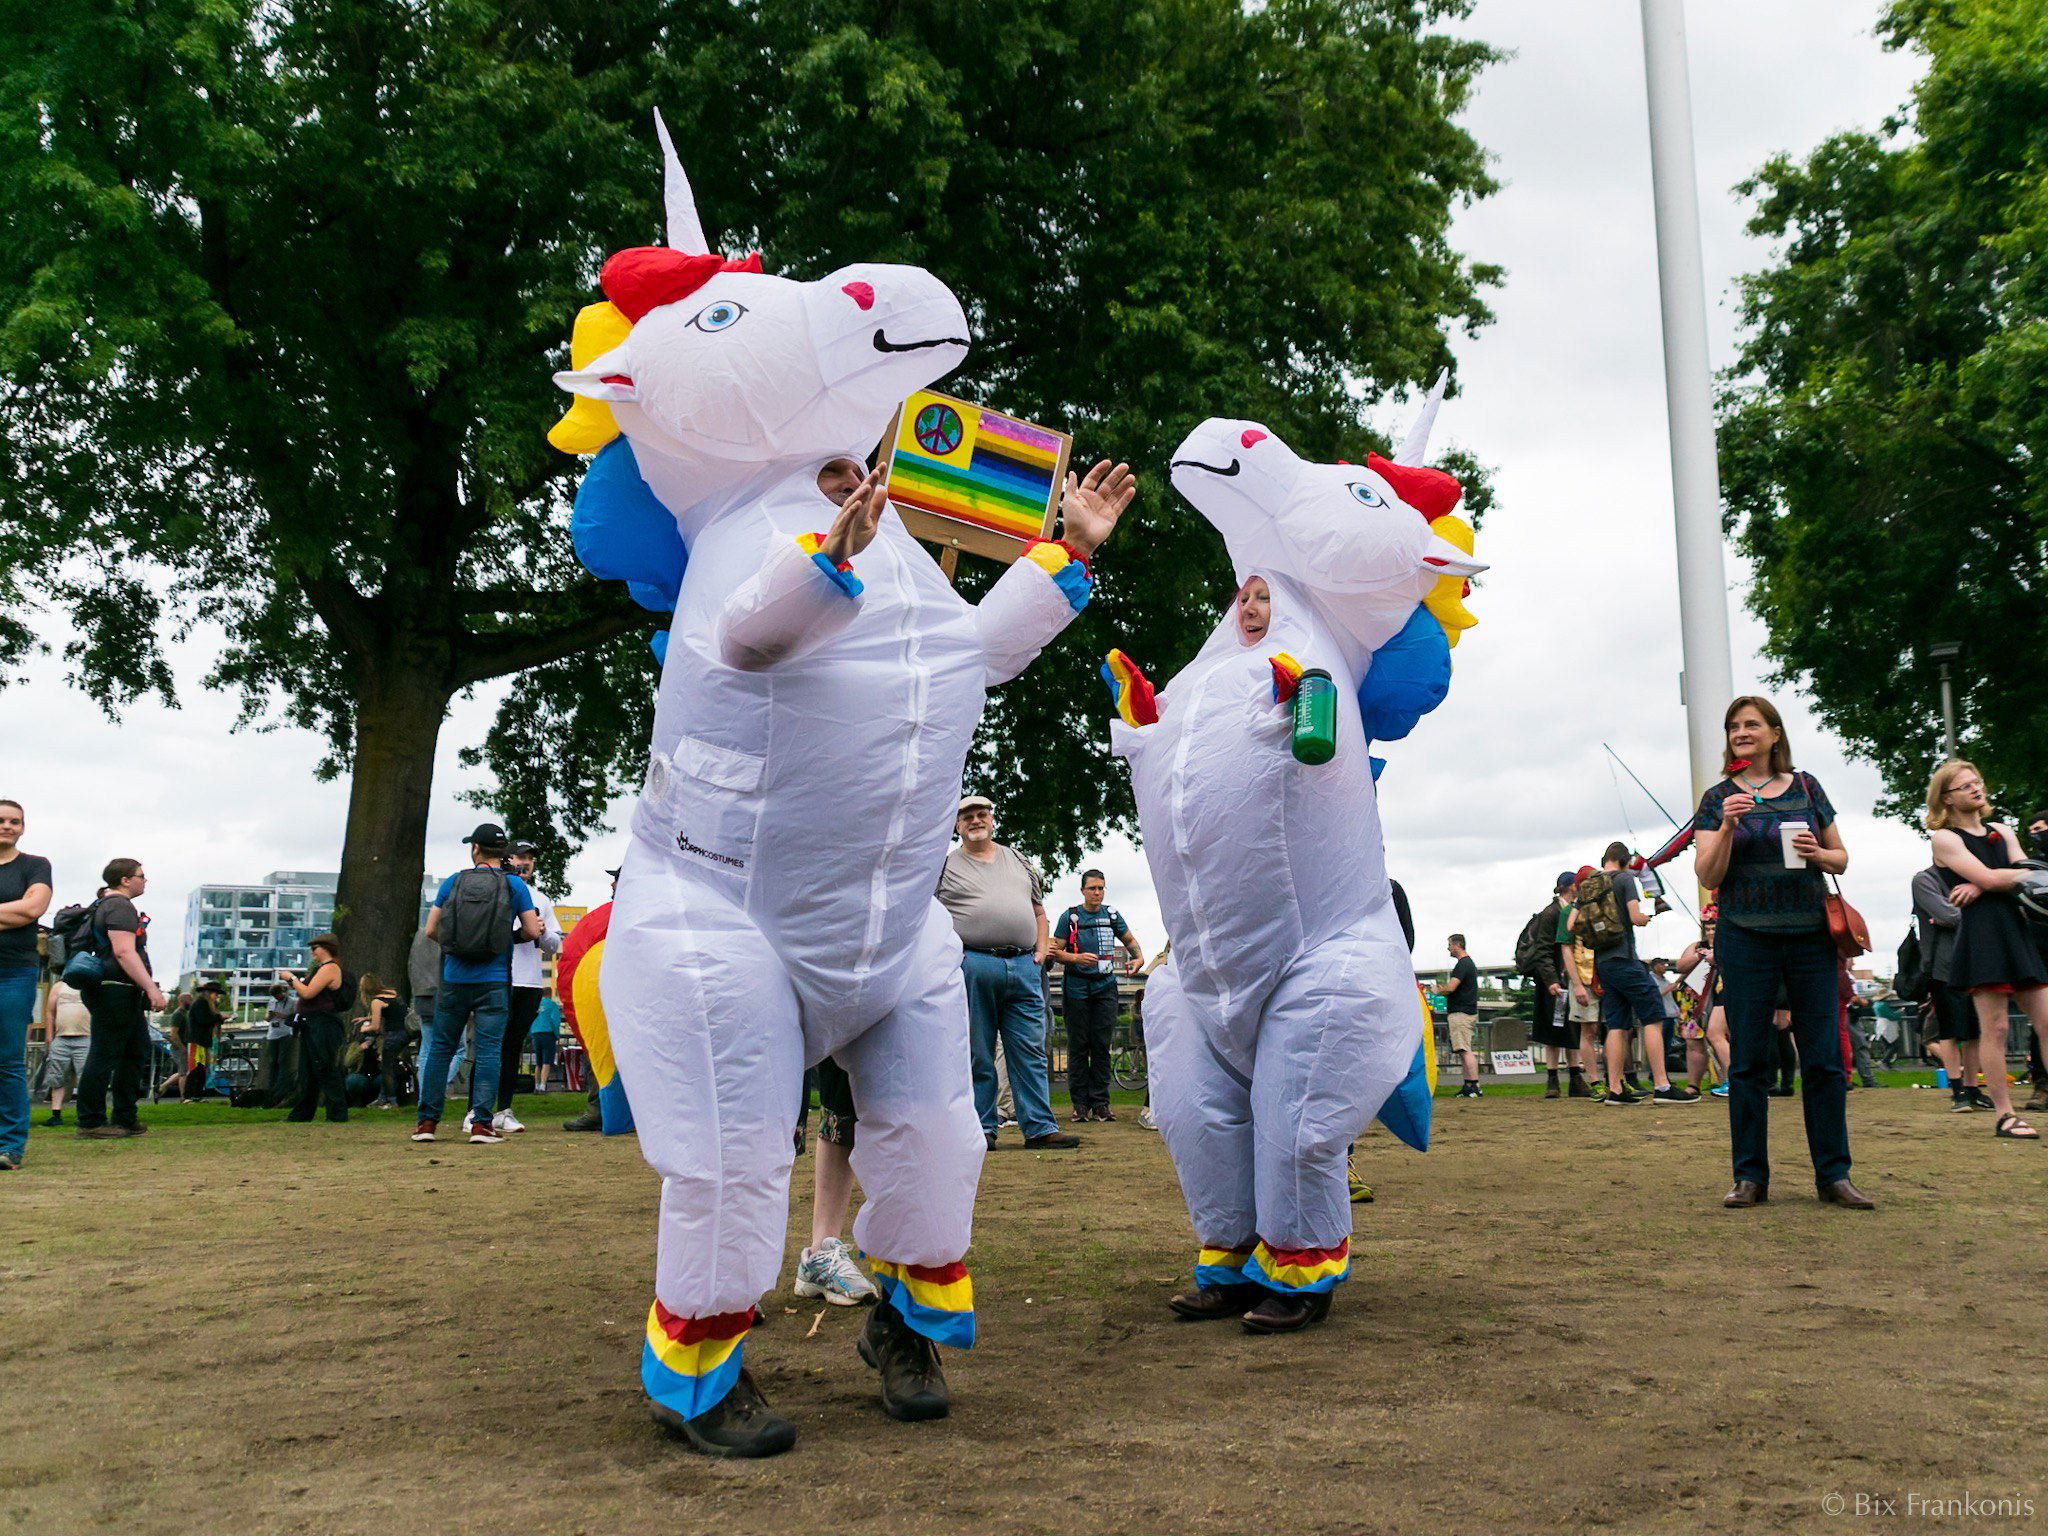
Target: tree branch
x,y
344,610
484,657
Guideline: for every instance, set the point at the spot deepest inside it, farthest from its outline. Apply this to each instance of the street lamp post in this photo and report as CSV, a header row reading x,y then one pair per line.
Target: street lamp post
x,y
1942,652
1688,391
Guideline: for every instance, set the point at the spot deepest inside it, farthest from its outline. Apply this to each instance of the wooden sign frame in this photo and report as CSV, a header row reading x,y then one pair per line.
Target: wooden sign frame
x,y
950,534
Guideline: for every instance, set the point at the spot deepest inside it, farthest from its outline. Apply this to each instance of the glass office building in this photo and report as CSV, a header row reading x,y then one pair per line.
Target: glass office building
x,y
244,933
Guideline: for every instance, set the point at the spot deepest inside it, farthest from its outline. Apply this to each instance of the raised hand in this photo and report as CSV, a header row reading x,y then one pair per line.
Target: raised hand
x,y
853,530
1093,502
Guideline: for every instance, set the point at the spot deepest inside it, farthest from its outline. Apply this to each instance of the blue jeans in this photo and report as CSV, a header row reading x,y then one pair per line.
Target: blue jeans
x,y
1005,996
1754,965
491,1002
17,1007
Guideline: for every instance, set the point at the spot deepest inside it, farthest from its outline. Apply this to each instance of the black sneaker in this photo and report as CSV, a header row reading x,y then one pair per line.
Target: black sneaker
x,y
1981,1099
740,1424
1959,1102
1676,1093
1621,1095
589,1120
913,1385
55,1117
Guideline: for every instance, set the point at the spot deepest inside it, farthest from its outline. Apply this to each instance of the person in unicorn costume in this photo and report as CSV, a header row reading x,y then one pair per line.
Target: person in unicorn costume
x,y
1288,1017
820,685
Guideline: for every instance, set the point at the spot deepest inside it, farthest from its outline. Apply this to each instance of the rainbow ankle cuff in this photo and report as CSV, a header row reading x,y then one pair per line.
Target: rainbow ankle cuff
x,y
1222,1266
936,1300
1302,1271
689,1363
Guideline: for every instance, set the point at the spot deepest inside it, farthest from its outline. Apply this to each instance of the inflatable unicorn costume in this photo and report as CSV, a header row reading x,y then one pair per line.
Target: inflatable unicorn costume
x,y
1288,1015
776,901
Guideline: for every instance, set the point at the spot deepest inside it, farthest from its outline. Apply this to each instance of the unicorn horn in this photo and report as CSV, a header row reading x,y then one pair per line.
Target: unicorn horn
x,y
685,229
1416,444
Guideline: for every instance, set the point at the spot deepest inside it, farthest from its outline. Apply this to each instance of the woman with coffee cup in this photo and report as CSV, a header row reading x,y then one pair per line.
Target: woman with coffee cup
x,y
1995,959
1763,836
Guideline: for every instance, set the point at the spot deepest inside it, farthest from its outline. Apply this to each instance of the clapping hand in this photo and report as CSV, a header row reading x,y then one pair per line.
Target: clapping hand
x,y
1093,503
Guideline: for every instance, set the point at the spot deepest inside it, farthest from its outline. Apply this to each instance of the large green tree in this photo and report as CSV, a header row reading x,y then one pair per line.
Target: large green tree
x,y
285,281
1882,431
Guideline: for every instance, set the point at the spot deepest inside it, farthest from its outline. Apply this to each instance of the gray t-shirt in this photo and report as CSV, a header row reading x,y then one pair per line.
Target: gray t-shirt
x,y
992,899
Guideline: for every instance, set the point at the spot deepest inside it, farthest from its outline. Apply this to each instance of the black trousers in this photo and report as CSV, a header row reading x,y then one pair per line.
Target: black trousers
x,y
1091,1021
1754,966
391,1063
320,1076
525,1009
118,1054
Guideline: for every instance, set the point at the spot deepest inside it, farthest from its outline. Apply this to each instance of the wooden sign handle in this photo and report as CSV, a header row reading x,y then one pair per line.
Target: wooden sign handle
x,y
949,561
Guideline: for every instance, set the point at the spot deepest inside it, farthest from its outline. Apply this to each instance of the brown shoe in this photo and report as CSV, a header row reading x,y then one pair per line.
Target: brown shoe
x,y
2038,1104
102,1132
1051,1139
1211,1303
1287,1312
1745,1194
1843,1193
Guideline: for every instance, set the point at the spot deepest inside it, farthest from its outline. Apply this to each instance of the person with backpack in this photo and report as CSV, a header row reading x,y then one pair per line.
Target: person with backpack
x,y
1606,912
115,944
324,997
1538,957
24,896
1084,943
476,915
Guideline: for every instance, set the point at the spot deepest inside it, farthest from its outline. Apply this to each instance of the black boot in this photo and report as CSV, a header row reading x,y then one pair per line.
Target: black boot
x,y
1287,1311
589,1120
738,1425
913,1385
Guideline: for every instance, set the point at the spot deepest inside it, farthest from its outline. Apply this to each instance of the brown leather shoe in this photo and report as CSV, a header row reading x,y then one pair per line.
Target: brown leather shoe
x,y
1211,1303
1051,1141
1287,1312
1843,1193
1745,1194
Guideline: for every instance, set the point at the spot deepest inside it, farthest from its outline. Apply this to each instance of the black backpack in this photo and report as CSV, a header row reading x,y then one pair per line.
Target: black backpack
x,y
71,932
1911,977
1529,945
476,924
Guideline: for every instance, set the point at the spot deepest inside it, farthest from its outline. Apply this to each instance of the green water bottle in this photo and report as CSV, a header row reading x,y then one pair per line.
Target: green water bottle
x,y
1315,717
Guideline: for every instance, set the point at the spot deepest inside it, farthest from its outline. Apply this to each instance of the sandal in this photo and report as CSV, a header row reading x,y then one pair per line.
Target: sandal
x,y
2014,1128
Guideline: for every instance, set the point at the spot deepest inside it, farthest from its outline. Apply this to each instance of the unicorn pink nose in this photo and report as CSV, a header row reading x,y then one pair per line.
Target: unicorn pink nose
x,y
862,294
1252,435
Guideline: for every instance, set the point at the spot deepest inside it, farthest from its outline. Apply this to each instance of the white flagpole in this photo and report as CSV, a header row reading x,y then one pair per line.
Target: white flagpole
x,y
1688,388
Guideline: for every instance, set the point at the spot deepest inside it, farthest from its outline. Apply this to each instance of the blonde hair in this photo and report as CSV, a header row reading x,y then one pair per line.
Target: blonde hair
x,y
1938,787
1781,750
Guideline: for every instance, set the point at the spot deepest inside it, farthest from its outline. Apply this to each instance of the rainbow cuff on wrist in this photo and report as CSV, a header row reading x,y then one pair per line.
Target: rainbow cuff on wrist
x,y
688,1364
842,577
1129,691
935,1299
1301,1271
1286,678
1222,1266
1068,571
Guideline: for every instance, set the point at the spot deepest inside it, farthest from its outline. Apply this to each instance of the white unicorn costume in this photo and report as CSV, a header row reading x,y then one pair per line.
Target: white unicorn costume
x,y
1288,1013
776,900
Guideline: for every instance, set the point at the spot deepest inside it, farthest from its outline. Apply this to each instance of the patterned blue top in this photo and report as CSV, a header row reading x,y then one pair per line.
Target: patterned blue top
x,y
1758,891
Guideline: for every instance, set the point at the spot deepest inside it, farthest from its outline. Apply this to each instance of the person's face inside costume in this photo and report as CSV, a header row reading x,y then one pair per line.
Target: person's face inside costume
x,y
1254,610
840,478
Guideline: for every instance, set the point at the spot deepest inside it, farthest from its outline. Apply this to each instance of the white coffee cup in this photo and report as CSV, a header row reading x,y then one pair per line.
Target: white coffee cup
x,y
1787,830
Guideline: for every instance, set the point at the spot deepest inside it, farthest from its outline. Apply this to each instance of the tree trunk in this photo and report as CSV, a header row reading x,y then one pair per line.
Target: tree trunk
x,y
399,709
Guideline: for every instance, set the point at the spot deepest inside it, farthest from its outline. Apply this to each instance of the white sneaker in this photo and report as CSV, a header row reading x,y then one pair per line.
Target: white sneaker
x,y
1145,1119
828,1270
505,1123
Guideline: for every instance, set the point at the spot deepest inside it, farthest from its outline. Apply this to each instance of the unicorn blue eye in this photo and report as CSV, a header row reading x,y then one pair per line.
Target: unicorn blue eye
x,y
1366,495
716,317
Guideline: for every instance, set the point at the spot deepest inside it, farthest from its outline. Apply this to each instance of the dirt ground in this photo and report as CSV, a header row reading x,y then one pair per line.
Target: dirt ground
x,y
249,1327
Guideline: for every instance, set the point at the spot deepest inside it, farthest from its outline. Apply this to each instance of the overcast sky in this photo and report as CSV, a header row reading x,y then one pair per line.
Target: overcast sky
x,y
1507,783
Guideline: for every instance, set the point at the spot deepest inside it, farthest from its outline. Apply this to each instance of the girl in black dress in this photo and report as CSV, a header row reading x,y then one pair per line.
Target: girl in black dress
x,y
1995,959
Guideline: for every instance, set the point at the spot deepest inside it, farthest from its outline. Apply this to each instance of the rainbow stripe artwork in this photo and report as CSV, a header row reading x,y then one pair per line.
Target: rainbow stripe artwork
x,y
576,972
1301,1270
935,1299
687,1364
961,462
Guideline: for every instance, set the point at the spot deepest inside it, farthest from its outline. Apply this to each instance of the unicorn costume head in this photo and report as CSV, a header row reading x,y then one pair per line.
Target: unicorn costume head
x,y
775,904
1288,1017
